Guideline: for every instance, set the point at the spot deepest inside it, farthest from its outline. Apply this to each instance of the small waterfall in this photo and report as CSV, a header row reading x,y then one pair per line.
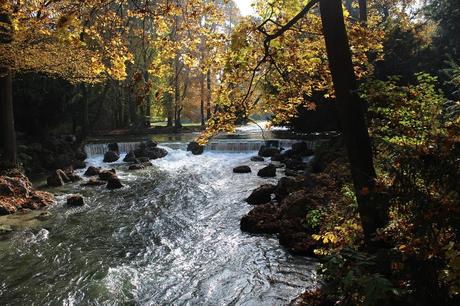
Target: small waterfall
x,y
93,149
214,145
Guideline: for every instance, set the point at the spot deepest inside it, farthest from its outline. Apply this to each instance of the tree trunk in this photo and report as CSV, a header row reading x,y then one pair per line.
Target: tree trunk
x,y
202,100
363,11
351,115
208,96
148,97
8,134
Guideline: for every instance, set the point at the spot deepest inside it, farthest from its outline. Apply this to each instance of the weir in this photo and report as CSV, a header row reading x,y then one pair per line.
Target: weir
x,y
234,146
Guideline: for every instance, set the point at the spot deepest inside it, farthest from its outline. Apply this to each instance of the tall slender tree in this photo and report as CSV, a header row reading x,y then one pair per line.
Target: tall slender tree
x,y
351,115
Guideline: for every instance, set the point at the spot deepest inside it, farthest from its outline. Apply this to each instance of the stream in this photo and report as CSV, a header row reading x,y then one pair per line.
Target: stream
x,y
171,236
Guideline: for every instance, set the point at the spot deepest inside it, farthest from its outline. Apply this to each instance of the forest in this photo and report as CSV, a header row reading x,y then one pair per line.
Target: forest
x,y
230,152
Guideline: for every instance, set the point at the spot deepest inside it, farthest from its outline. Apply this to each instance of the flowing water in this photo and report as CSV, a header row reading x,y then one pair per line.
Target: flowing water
x,y
171,236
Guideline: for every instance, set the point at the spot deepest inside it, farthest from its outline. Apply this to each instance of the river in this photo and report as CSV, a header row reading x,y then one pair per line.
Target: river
x,y
171,236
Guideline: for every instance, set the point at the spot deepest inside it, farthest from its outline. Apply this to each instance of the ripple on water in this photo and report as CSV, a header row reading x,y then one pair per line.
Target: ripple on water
x,y
171,236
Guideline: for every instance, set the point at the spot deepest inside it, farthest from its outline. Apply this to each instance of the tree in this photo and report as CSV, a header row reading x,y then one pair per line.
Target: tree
x,y
351,115
7,136
281,63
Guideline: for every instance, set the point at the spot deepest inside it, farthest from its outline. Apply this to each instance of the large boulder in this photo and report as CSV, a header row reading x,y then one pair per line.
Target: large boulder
x,y
296,205
111,156
242,169
195,148
295,164
92,171
114,147
263,219
57,179
149,151
261,195
114,183
298,242
285,186
105,175
151,144
280,157
269,171
266,151
156,153
130,157
75,200
16,193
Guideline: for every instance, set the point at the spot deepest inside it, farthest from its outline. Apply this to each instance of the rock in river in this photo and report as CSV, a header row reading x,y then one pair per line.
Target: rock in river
x,y
57,179
75,200
111,156
195,148
92,171
269,171
265,151
106,174
261,195
242,169
114,183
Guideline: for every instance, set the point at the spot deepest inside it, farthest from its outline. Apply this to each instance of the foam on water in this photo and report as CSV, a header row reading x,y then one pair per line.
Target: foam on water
x,y
171,236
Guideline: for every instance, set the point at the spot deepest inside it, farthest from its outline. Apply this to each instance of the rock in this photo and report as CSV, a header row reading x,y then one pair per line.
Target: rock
x,y
114,147
242,169
72,176
114,183
18,194
5,188
106,174
261,195
57,179
263,219
284,187
150,153
296,165
92,171
136,167
195,148
5,229
296,205
143,160
278,157
111,156
76,200
94,182
257,159
298,243
156,153
269,171
151,144
130,157
265,151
